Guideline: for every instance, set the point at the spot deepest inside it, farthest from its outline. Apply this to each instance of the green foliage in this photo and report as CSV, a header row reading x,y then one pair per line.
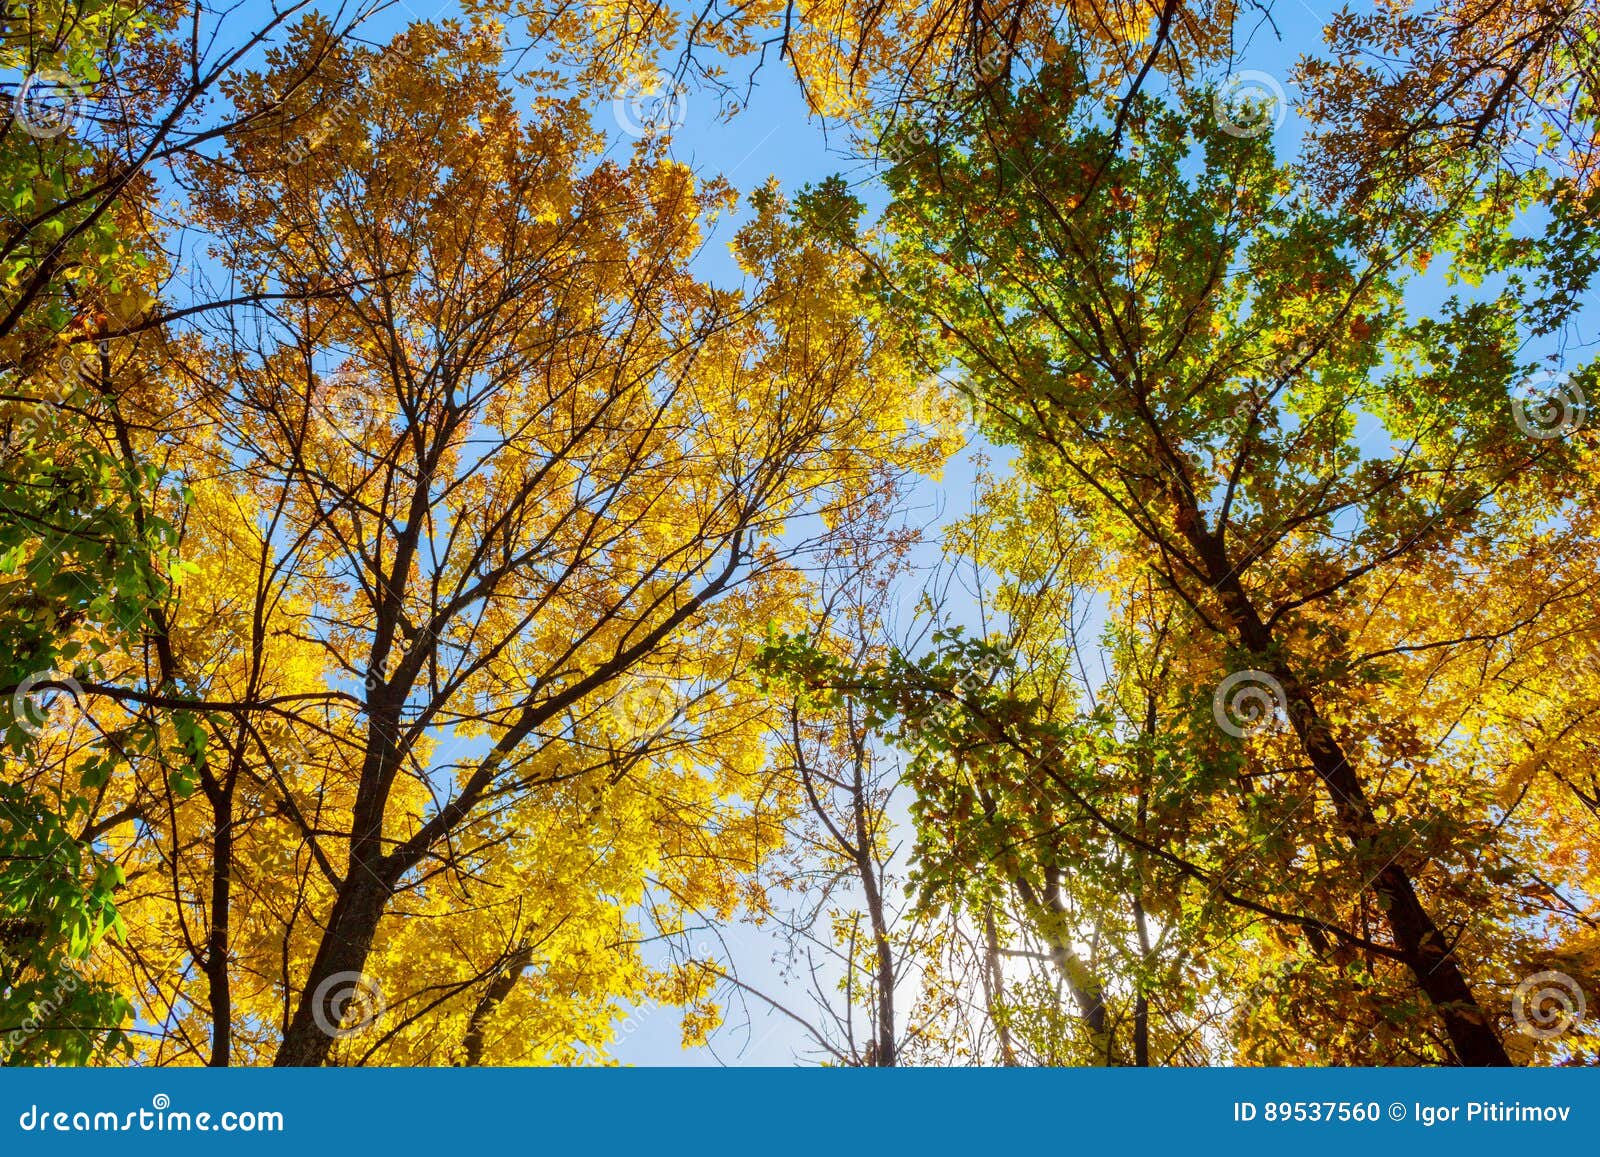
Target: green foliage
x,y
56,903
84,559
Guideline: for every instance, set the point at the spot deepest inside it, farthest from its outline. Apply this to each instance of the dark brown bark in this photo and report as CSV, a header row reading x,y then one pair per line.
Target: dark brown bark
x,y
344,948
375,873
1141,1002
218,989
472,1041
1421,944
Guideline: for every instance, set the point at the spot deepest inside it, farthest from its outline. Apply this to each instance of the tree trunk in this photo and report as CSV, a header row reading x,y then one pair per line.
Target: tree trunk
x,y
215,963
1049,918
493,997
369,884
340,958
216,960
884,1055
994,988
1141,1002
1414,932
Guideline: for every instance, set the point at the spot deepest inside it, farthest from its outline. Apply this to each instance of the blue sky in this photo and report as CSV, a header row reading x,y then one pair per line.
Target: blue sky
x,y
774,136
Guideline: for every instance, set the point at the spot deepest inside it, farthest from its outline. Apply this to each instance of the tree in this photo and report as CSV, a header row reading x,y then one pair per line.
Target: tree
x,y
866,959
1184,349
855,59
394,512
1431,94
486,519
83,554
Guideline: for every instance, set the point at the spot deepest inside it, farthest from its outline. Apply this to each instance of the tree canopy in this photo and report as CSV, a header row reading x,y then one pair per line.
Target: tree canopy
x,y
464,567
